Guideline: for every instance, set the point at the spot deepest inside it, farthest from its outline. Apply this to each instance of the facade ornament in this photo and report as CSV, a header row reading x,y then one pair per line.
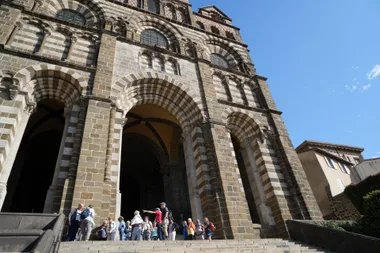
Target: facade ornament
x,y
9,84
30,108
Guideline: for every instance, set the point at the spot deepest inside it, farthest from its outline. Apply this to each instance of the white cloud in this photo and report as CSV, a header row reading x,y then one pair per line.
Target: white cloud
x,y
375,72
351,88
366,87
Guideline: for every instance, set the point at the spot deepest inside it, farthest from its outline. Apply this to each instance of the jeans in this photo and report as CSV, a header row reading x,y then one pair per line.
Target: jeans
x,y
73,229
136,233
86,228
122,235
128,236
146,235
159,230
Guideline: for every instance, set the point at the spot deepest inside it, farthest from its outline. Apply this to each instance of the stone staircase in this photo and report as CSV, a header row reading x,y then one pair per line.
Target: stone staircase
x,y
230,246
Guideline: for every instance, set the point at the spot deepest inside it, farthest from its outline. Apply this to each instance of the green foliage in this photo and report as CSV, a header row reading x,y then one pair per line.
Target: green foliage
x,y
356,192
371,204
331,224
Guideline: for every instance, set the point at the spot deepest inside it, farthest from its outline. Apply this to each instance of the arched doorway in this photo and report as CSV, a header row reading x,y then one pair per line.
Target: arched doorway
x,y
249,194
33,169
152,163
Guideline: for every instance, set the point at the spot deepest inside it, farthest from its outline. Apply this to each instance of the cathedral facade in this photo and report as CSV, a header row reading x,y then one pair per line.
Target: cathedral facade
x,y
123,104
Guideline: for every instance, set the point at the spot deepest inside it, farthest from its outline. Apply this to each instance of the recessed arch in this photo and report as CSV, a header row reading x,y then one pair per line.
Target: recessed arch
x,y
91,11
157,89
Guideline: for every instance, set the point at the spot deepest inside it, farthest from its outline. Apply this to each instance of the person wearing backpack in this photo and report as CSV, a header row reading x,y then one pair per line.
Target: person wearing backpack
x,y
209,228
74,221
102,231
199,231
87,223
136,223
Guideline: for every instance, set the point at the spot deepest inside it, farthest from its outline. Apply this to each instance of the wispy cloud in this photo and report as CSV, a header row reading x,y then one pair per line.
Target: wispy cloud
x,y
355,67
366,87
351,88
375,72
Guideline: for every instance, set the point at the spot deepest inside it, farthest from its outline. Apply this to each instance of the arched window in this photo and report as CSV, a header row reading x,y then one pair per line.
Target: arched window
x,y
230,35
219,61
71,16
200,25
154,38
154,6
215,30
140,4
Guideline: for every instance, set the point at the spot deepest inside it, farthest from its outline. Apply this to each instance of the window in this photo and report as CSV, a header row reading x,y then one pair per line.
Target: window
x,y
341,184
330,162
140,4
154,38
71,16
215,30
219,61
230,35
154,6
345,169
200,25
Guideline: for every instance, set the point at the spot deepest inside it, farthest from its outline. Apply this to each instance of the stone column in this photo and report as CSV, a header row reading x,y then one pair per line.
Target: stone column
x,y
261,202
73,40
18,26
68,188
37,4
48,207
195,200
8,163
190,15
39,49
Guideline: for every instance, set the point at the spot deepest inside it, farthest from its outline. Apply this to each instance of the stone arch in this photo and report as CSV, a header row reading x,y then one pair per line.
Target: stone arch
x,y
47,81
92,12
217,46
158,89
242,125
171,32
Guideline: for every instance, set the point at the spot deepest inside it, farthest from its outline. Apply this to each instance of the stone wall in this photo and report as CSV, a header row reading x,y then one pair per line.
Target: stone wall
x,y
342,207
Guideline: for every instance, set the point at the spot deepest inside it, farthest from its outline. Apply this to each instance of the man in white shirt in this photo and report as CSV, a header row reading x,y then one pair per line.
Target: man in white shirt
x,y
87,223
74,220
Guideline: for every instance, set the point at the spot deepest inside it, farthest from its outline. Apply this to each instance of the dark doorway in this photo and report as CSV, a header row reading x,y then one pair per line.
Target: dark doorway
x,y
141,181
246,184
36,159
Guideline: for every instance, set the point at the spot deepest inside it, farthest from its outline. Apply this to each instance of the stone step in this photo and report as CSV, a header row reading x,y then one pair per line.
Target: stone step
x,y
217,246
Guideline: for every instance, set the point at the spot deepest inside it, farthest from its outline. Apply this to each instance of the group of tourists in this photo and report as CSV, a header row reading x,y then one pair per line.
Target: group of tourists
x,y
81,224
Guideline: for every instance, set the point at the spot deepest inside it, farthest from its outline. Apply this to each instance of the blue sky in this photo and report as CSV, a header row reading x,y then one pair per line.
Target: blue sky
x,y
322,60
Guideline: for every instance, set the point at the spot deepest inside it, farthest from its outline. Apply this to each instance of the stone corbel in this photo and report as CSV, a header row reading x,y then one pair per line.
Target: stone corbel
x,y
109,25
9,85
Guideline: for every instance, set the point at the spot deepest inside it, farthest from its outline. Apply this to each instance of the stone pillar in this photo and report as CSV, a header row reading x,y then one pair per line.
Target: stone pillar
x,y
73,40
39,49
69,184
257,187
190,15
6,166
236,208
195,200
48,207
37,4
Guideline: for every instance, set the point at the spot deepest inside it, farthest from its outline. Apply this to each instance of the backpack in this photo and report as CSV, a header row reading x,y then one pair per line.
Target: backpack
x,y
75,216
85,214
212,226
102,233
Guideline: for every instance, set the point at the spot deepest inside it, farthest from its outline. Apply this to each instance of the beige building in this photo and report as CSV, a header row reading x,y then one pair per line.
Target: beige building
x,y
329,168
367,168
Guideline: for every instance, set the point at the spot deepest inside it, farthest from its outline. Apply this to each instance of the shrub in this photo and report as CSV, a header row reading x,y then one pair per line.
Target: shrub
x,y
371,204
356,192
331,224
